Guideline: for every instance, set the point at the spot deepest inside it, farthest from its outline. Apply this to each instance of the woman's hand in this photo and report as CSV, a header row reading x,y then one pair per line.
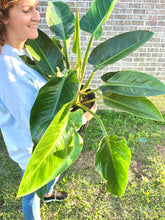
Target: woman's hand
x,y
87,115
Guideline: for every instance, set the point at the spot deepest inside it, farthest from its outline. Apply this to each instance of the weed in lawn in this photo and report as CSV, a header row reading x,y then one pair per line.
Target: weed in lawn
x,y
88,199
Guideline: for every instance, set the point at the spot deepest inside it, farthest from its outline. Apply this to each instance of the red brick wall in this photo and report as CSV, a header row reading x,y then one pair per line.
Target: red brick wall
x,y
128,15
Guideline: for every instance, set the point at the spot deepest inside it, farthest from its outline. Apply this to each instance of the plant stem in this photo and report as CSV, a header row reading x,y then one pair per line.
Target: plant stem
x,y
86,57
66,55
92,91
88,81
91,100
96,116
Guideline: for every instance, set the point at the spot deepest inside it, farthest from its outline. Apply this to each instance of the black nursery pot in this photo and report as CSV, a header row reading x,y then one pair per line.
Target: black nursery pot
x,y
90,97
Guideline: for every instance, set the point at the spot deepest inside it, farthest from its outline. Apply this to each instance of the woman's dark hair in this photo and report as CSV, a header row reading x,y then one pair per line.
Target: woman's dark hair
x,y
5,5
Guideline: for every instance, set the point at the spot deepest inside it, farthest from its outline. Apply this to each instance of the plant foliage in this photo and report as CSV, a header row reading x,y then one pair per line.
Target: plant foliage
x,y
54,127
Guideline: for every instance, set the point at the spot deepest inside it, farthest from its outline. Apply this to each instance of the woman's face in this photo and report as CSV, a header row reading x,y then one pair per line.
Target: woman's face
x,y
22,23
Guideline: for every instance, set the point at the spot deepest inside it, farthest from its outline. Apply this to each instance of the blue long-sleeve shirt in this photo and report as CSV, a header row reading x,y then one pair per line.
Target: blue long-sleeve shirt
x,y
19,85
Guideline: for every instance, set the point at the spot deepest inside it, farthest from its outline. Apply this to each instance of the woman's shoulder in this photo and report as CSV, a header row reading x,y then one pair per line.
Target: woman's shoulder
x,y
5,64
14,69
7,72
5,56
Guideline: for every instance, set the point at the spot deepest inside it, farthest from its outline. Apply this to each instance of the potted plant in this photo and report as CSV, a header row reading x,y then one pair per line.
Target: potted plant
x,y
54,126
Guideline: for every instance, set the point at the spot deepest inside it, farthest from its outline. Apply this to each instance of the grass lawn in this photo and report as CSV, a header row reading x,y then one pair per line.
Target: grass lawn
x,y
145,193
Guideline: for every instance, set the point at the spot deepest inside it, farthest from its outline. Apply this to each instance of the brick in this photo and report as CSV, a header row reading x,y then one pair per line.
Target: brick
x,y
139,11
137,22
160,6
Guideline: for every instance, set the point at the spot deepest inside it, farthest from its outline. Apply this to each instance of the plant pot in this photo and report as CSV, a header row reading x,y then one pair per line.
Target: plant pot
x,y
89,105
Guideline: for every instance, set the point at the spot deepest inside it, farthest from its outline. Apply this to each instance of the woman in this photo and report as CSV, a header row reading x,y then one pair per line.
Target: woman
x,y
19,85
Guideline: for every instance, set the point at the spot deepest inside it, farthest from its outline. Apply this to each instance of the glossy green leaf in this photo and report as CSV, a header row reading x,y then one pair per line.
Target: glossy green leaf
x,y
105,77
60,20
76,44
51,97
118,47
41,191
28,61
139,106
96,16
76,119
58,148
57,42
112,161
132,83
76,40
46,54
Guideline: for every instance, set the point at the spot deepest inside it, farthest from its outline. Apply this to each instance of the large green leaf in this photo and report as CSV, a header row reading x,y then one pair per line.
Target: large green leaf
x,y
58,148
41,191
28,61
51,97
139,106
60,20
118,47
132,83
46,54
76,44
96,16
112,161
58,43
106,76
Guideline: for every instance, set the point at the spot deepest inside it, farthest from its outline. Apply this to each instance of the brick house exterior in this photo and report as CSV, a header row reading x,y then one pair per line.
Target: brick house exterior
x,y
129,15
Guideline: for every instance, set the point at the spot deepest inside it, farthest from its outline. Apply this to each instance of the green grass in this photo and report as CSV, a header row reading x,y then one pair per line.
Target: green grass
x,y
88,199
